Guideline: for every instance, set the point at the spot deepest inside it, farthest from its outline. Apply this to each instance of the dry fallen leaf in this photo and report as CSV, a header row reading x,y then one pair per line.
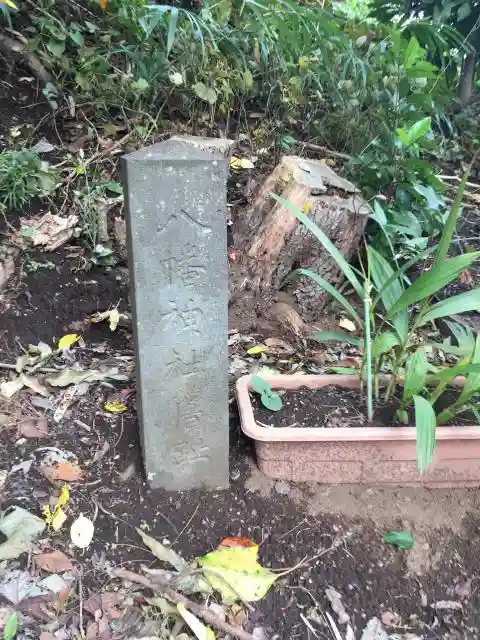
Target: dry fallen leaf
x,y
112,315
33,428
49,231
391,619
34,385
466,277
347,324
237,615
464,589
354,363
11,387
337,605
241,163
53,562
65,470
81,532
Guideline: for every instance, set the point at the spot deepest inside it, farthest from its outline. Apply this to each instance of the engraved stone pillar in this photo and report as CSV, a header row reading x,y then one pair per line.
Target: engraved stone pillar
x,y
175,195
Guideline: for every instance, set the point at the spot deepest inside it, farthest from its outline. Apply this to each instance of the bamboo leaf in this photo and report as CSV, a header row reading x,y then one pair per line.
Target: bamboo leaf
x,y
416,371
425,426
472,383
451,223
400,272
432,281
339,336
453,372
383,342
382,273
328,245
172,28
469,301
323,284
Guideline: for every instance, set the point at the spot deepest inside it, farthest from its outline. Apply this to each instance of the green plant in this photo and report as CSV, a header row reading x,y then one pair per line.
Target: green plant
x,y
392,315
11,626
92,202
23,176
33,266
270,399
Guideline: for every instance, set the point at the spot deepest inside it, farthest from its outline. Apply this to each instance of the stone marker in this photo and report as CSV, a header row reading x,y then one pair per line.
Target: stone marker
x,y
175,194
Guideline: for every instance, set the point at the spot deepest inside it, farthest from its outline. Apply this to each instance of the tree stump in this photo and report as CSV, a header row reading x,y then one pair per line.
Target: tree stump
x,y
271,242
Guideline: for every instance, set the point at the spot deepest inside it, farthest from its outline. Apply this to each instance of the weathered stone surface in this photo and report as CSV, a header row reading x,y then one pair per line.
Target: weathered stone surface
x,y
175,194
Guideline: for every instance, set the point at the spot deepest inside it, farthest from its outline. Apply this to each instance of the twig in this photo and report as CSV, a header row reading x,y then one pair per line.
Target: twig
x,y
458,179
176,598
309,626
465,205
335,631
188,523
80,596
325,150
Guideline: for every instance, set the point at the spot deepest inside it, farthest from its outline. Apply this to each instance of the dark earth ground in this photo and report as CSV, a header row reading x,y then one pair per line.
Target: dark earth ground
x,y
291,521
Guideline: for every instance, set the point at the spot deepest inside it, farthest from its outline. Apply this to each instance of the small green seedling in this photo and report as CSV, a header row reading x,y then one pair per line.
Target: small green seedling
x,y
11,627
400,539
270,399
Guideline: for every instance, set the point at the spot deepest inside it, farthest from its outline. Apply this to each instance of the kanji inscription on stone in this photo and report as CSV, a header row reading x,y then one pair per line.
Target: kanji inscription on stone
x,y
175,195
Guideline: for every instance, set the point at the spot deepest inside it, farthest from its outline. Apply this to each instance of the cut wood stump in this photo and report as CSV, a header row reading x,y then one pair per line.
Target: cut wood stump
x,y
270,242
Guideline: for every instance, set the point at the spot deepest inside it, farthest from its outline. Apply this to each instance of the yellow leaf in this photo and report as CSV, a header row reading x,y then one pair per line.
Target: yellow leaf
x,y
199,629
58,519
113,319
115,406
241,163
64,497
307,207
112,315
347,324
9,3
239,568
257,349
67,341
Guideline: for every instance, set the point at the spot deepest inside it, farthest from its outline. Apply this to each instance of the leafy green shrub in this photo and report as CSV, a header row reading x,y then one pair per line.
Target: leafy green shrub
x,y
23,176
392,315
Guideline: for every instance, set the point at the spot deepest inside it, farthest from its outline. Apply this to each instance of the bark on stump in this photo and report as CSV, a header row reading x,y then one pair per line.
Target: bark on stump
x,y
271,242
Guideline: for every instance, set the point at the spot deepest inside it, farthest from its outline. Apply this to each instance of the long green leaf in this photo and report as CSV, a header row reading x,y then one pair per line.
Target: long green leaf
x,y
339,336
432,281
453,372
451,223
381,273
328,245
425,427
323,284
469,301
398,274
416,371
172,28
472,383
383,342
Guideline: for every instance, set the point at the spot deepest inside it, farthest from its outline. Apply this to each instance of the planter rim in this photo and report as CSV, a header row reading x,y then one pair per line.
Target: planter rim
x,y
334,434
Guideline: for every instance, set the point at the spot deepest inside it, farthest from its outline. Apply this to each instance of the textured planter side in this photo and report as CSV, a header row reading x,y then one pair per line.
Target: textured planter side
x,y
359,454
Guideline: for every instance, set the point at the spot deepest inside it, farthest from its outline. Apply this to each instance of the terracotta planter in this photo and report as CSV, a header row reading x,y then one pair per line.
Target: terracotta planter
x,y
356,455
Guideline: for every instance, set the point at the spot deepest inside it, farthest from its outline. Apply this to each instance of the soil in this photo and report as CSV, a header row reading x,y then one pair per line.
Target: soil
x,y
337,531
327,407
331,407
